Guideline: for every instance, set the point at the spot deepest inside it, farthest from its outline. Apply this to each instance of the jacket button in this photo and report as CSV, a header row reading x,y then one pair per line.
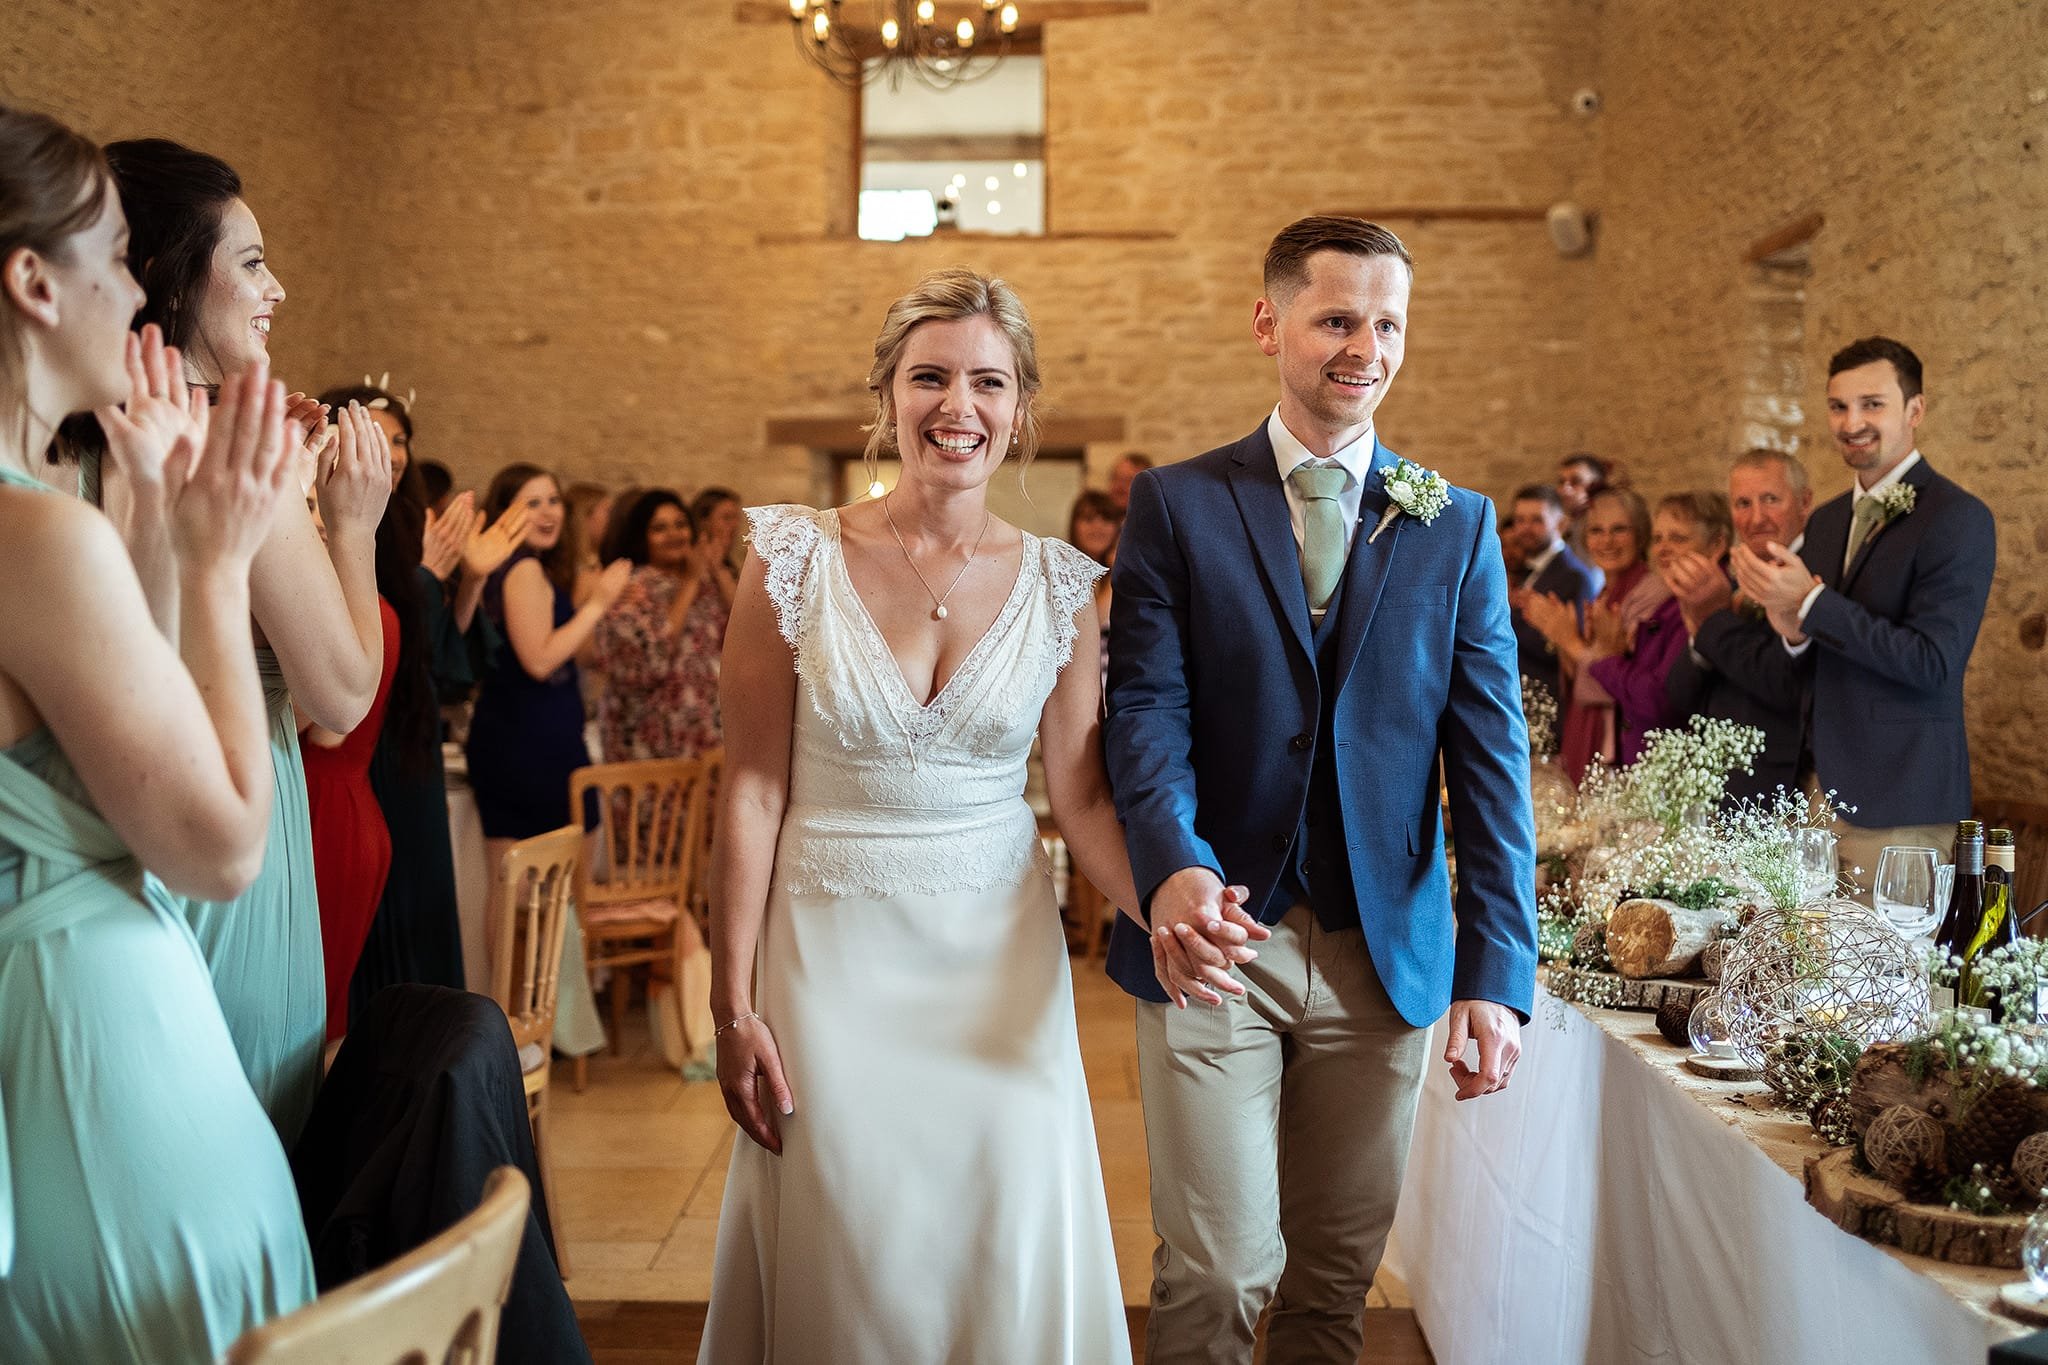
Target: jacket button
x,y
1301,744
1280,843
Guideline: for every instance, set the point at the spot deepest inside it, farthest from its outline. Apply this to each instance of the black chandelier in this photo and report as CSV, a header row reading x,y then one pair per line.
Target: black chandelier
x,y
904,38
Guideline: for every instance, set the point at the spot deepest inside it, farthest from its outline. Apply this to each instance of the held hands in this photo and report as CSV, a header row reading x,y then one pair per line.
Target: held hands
x,y
1499,1035
750,1077
221,502
1776,581
161,410
355,475
446,534
487,550
1200,929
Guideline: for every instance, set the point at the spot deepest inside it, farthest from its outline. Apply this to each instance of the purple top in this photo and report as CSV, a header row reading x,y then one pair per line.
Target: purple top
x,y
1636,679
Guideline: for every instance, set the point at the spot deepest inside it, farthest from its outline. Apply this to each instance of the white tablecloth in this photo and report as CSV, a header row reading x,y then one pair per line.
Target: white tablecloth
x,y
1599,1211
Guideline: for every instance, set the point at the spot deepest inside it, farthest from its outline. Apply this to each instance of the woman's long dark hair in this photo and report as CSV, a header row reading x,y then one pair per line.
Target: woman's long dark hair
x,y
559,563
631,540
412,714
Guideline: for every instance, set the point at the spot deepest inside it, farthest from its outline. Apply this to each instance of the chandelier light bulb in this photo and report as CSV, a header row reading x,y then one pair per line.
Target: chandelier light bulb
x,y
925,11
994,207
1020,170
991,183
797,8
1009,19
990,5
891,34
821,26
964,34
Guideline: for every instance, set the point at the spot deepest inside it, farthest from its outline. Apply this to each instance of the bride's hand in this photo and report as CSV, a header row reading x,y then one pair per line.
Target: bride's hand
x,y
749,1070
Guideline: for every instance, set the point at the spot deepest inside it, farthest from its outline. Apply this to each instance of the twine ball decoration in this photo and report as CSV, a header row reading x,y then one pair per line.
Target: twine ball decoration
x,y
1713,958
2030,1164
1829,965
1901,1139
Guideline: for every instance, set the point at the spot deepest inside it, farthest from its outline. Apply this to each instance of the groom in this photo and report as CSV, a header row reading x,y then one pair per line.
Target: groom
x,y
1290,690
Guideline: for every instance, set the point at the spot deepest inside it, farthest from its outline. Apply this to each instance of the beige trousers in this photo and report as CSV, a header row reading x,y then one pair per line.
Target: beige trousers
x,y
1278,1129
1857,846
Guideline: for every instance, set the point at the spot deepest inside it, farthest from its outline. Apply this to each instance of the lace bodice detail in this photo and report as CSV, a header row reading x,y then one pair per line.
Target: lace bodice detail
x,y
887,796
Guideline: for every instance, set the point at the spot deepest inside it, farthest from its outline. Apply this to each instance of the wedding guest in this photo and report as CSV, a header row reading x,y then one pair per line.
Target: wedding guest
x,y
198,253
526,734
1884,602
437,485
659,644
1617,528
590,513
717,514
147,1214
1092,528
1579,476
1734,668
1127,468
1547,566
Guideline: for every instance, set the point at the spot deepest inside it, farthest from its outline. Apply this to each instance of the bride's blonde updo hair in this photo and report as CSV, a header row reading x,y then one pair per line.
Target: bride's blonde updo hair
x,y
950,296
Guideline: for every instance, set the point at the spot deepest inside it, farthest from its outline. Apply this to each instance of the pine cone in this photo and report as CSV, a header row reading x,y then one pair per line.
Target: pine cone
x,y
1924,1182
2006,1187
1992,1127
1674,1021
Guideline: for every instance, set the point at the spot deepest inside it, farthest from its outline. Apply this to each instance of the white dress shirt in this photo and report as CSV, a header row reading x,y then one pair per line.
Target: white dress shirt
x,y
1355,460
1857,493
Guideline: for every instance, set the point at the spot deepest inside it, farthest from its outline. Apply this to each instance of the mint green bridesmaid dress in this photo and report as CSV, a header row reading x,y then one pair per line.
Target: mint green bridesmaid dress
x,y
146,1210
263,947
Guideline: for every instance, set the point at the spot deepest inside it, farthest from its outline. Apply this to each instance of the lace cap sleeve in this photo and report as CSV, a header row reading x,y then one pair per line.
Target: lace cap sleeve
x,y
785,536
1070,581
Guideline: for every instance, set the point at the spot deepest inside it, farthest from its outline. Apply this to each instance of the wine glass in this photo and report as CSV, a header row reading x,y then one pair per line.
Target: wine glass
x,y
1904,892
1819,871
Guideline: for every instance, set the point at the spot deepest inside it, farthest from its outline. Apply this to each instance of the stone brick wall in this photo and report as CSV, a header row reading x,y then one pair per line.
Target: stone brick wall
x,y
256,86
1919,134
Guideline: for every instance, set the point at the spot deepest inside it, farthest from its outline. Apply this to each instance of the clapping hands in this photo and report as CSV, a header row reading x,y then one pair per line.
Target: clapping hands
x,y
161,409
1200,930
447,534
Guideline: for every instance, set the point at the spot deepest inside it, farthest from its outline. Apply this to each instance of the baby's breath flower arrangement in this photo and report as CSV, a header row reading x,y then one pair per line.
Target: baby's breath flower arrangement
x,y
1683,774
1759,843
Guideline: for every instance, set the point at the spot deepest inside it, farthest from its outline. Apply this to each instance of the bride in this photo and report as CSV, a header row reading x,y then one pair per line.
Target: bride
x,y
896,1024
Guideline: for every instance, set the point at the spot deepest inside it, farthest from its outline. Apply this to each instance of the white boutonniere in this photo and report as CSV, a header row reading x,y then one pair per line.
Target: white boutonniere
x,y
1421,493
1896,501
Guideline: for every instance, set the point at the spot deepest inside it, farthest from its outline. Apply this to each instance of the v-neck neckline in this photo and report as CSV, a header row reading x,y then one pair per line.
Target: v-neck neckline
x,y
881,641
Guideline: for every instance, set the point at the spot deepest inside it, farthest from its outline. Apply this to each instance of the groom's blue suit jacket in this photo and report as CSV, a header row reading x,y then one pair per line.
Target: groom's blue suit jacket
x,y
1216,713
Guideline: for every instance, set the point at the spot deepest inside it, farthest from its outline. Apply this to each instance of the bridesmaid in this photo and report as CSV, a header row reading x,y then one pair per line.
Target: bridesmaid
x,y
146,1210
198,253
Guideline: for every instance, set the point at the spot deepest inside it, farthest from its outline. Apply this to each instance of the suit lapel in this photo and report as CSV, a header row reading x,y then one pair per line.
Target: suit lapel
x,y
1255,483
1827,540
1917,478
1365,573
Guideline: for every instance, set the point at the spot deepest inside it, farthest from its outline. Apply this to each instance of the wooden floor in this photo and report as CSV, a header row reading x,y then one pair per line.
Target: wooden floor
x,y
666,1334
640,1160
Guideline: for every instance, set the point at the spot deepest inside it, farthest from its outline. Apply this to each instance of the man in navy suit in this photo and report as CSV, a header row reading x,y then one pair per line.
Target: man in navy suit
x,y
1735,668
1297,675
1884,603
1548,566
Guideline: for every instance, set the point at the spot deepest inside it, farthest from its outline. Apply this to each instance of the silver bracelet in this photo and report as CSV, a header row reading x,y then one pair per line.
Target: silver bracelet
x,y
734,1022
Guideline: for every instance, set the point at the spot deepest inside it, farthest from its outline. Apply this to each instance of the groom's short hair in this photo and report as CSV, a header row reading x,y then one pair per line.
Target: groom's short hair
x,y
1287,258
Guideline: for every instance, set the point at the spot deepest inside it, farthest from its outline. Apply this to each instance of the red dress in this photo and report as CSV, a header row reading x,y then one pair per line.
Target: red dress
x,y
351,846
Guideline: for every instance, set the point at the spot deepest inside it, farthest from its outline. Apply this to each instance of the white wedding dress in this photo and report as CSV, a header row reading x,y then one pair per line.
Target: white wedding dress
x,y
938,1200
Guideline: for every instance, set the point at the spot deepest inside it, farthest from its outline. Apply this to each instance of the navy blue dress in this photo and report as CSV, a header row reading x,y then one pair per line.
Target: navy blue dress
x,y
526,735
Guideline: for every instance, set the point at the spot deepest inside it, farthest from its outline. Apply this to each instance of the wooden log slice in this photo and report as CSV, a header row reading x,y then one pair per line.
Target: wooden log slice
x,y
1649,938
1606,990
1858,1202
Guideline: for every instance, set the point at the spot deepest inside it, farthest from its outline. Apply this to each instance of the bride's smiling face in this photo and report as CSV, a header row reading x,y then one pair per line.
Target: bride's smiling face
x,y
956,397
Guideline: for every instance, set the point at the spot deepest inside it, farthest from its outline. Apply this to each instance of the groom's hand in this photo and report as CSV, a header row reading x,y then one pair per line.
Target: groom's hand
x,y
1200,929
1499,1035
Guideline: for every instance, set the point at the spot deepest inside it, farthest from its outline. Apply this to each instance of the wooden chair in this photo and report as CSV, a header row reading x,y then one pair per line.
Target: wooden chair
x,y
437,1303
703,827
630,907
536,879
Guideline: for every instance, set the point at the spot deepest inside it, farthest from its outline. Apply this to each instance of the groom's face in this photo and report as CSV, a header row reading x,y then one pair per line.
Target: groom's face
x,y
1339,338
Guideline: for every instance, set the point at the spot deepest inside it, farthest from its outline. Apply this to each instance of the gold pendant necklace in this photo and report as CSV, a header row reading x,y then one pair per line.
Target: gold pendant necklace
x,y
938,599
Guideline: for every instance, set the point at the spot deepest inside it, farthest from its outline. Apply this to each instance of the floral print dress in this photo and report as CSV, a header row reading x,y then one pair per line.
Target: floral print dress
x,y
661,689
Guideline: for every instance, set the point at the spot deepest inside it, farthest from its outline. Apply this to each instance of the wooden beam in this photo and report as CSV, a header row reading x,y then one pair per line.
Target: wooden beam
x,y
952,11
844,433
960,147
1798,232
1450,213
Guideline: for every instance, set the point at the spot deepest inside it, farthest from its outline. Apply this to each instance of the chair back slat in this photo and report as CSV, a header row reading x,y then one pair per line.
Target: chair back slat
x,y
536,880
644,846
439,1302
702,824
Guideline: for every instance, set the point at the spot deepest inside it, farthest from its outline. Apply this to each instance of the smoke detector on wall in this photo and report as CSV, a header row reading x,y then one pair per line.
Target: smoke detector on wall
x,y
1571,229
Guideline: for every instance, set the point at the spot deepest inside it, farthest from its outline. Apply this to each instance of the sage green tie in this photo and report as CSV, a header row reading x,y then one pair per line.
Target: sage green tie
x,y
1322,521
1862,522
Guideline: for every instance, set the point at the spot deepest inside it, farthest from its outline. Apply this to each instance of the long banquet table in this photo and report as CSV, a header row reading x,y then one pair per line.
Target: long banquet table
x,y
1612,1207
